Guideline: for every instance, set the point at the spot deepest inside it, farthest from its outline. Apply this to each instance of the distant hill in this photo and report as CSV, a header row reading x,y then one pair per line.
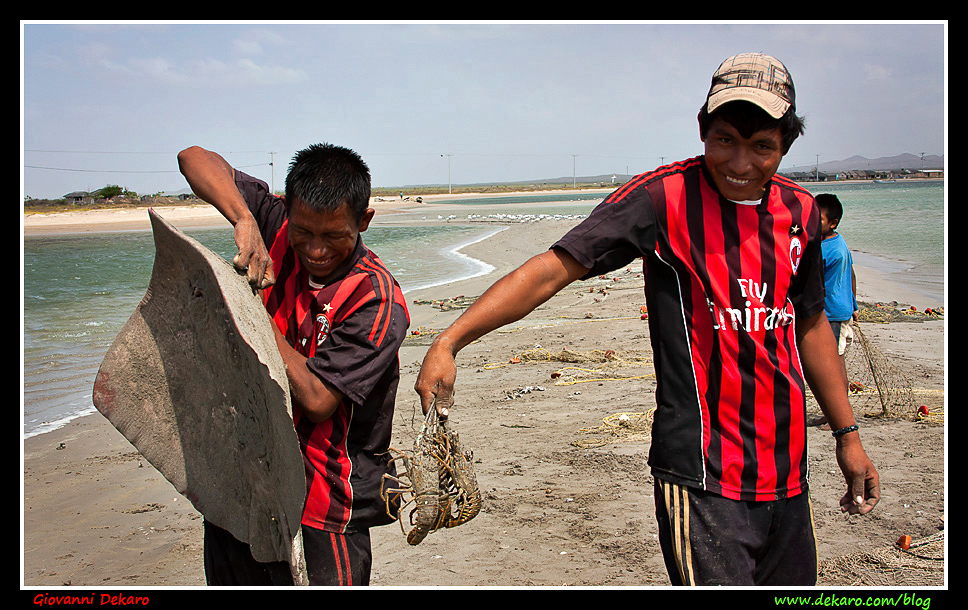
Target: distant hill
x,y
905,161
604,180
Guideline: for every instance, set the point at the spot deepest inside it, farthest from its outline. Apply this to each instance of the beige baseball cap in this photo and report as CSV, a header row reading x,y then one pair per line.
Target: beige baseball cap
x,y
756,78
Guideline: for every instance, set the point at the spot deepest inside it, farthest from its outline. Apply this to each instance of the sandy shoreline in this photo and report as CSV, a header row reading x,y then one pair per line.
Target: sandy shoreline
x,y
204,215
557,509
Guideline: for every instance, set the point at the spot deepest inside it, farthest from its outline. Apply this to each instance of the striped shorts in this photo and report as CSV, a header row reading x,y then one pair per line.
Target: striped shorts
x,y
709,540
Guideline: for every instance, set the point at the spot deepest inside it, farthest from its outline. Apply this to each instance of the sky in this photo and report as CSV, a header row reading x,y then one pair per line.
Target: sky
x,y
448,102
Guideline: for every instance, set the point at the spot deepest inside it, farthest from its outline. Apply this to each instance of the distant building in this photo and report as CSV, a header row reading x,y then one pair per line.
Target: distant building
x,y
79,197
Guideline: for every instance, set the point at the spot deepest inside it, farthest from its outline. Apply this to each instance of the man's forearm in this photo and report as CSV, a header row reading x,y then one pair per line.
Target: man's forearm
x,y
512,298
213,180
822,369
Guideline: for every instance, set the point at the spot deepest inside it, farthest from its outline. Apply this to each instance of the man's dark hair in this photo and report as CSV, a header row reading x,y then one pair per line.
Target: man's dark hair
x,y
831,205
325,176
749,118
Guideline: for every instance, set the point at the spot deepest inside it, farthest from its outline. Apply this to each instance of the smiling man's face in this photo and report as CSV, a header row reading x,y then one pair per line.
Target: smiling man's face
x,y
324,240
740,167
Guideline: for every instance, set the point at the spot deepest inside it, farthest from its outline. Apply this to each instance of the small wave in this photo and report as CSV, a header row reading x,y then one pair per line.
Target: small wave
x,y
474,267
50,426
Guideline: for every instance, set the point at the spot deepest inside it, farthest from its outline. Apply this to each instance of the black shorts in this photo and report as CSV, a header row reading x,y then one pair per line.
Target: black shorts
x,y
707,539
331,560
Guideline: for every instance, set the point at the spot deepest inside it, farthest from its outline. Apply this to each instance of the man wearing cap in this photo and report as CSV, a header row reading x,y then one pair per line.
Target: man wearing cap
x,y
734,288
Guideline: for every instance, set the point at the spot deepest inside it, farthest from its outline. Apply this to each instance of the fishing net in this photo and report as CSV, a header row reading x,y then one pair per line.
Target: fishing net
x,y
921,564
878,387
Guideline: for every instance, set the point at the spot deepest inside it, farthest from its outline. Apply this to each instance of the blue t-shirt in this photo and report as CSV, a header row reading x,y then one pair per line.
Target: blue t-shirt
x,y
840,303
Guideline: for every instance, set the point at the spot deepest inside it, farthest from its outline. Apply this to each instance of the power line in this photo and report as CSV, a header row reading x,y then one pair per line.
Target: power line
x,y
126,171
101,171
130,152
271,163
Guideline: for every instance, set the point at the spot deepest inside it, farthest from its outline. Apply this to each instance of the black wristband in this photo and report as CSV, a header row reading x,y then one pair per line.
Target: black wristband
x,y
843,431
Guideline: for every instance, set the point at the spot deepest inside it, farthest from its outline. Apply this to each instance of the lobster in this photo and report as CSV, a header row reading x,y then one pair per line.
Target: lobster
x,y
438,479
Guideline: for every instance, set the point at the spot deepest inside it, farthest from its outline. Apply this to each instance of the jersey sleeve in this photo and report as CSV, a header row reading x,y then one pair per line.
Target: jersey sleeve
x,y
362,348
613,235
268,209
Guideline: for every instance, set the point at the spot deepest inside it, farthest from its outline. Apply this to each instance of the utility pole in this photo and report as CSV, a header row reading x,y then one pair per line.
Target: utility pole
x,y
272,170
573,175
449,155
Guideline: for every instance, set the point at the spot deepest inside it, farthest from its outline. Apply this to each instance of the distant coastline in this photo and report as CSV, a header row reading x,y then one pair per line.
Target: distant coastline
x,y
47,219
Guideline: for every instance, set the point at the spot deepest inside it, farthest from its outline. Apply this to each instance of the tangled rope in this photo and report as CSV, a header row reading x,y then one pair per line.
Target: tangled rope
x,y
569,375
618,427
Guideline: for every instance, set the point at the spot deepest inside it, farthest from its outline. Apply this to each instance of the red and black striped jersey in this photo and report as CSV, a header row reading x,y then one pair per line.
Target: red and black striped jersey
x,y
724,284
350,330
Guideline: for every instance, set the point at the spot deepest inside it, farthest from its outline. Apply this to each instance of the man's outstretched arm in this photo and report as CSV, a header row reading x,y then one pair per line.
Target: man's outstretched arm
x,y
511,298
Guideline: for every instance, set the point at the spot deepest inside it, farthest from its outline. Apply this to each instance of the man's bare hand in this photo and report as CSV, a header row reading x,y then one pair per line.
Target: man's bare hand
x,y
253,258
435,382
863,482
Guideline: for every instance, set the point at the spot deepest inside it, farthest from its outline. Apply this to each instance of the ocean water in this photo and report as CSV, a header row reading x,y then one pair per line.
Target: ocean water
x,y
79,290
897,228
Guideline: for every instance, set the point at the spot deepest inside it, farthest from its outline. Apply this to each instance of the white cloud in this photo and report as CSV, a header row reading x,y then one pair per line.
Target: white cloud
x,y
205,72
245,46
268,75
877,73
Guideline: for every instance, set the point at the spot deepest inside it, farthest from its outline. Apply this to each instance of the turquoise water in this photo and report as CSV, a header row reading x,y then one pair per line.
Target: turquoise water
x,y
897,228
79,290
902,221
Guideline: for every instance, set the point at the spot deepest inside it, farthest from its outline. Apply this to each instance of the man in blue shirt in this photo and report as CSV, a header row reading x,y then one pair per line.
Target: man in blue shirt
x,y
839,278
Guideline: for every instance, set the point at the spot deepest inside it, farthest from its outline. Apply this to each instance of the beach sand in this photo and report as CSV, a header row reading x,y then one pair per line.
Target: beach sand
x,y
567,496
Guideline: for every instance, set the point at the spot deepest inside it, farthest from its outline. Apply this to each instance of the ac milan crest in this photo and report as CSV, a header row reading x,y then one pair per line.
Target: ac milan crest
x,y
322,329
796,253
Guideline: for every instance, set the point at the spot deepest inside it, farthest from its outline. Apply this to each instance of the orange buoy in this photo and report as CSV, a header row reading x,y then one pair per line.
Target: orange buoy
x,y
904,542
